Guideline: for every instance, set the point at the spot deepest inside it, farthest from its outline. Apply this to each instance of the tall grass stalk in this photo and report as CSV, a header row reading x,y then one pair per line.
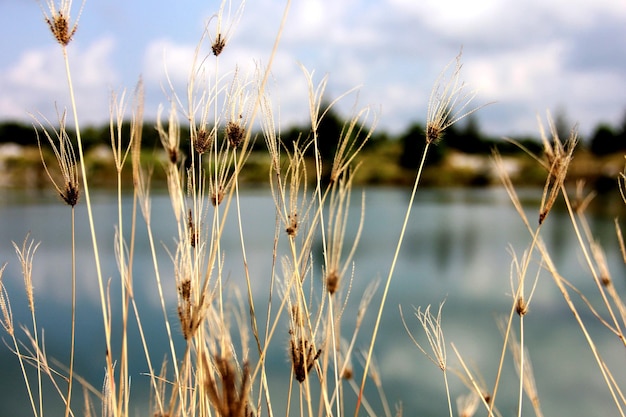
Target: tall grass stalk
x,y
448,103
69,191
63,29
559,155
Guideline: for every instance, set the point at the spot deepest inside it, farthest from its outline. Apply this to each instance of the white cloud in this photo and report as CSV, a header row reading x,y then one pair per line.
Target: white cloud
x,y
528,55
37,81
518,74
165,59
451,15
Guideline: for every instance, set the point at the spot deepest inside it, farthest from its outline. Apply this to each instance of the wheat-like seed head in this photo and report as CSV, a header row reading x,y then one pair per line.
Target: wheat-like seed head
x,y
303,354
227,386
170,138
26,254
239,100
337,262
270,133
558,156
354,136
203,139
117,110
192,306
5,306
449,102
61,145
434,334
222,35
59,20
136,131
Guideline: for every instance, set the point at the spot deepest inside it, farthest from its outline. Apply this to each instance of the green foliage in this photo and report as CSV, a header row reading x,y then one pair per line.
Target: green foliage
x,y
607,140
413,143
465,137
17,132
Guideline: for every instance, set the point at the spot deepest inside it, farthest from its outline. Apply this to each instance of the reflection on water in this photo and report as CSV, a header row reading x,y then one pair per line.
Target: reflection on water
x,y
458,248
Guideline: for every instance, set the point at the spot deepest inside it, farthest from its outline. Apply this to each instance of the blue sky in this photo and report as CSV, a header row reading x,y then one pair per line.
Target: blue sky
x,y
528,56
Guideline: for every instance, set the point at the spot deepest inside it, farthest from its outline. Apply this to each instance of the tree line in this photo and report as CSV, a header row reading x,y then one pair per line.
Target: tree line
x,y
466,137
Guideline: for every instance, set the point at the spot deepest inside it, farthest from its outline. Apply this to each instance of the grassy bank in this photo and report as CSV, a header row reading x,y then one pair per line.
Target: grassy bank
x,y
20,166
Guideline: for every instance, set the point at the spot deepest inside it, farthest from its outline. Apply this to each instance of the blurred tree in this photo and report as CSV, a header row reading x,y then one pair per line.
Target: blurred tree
x,y
17,132
413,143
328,133
621,132
467,137
605,141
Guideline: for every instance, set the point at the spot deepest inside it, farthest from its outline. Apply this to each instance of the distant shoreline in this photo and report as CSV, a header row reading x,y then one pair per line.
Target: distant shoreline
x,y
21,167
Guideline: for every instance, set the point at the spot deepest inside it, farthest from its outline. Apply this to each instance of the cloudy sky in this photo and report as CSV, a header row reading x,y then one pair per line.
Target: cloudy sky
x,y
528,56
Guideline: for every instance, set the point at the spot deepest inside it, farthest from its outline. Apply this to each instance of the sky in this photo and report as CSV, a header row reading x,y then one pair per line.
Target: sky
x,y
526,57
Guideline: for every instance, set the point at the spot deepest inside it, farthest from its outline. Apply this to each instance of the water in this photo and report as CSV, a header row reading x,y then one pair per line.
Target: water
x,y
458,248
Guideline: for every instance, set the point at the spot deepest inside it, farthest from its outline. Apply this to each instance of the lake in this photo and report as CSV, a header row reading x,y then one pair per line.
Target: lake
x,y
457,248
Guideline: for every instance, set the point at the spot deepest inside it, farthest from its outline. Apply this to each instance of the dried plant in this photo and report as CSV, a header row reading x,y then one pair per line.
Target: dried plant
x,y
220,117
558,157
170,138
228,390
26,255
434,334
303,355
335,266
61,145
59,20
353,138
222,35
449,102
524,369
5,306
303,352
238,110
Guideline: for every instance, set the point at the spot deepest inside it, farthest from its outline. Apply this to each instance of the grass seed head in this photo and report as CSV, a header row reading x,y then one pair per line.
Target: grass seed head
x,y
169,134
69,187
193,234
292,229
218,44
521,307
217,195
172,153
58,20
6,321
203,142
227,386
71,193
332,281
449,102
60,27
235,133
303,356
184,289
223,31
558,156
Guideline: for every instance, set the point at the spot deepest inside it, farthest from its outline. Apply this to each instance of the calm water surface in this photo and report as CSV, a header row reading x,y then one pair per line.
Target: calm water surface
x,y
458,248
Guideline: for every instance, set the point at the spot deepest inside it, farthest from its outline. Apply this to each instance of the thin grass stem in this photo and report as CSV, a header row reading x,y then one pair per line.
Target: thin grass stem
x,y
389,276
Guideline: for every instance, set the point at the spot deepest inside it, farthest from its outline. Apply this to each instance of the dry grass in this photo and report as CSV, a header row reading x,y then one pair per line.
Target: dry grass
x,y
221,368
